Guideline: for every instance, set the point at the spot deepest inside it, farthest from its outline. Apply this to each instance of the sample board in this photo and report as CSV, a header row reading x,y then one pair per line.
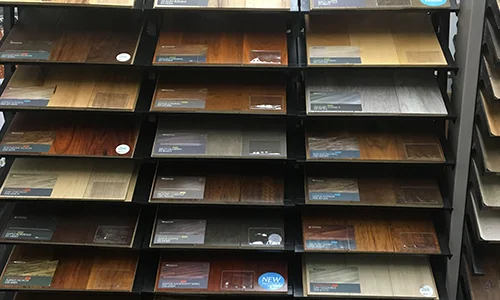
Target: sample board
x,y
490,150
377,4
90,3
488,186
487,222
225,4
482,287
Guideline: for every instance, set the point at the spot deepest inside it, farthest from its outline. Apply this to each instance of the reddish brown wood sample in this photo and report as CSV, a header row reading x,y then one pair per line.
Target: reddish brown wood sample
x,y
66,134
73,296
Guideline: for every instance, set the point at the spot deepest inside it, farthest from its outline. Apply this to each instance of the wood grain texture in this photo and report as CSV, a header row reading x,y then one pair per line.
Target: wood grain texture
x,y
224,275
485,286
80,270
377,92
492,79
75,296
70,135
90,3
231,4
488,187
490,149
373,5
491,110
228,41
487,222
381,39
66,35
374,147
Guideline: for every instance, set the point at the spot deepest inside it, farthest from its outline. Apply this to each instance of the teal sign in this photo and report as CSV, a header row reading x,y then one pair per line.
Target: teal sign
x,y
433,2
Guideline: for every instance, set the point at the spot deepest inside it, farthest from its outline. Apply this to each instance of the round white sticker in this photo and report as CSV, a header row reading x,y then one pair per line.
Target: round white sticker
x,y
123,57
426,291
123,149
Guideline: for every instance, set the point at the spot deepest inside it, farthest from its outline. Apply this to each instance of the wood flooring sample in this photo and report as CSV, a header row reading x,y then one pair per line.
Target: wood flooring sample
x,y
74,296
75,269
74,36
491,79
378,4
485,287
89,3
374,147
490,148
414,235
488,185
223,41
379,39
82,88
374,93
70,179
226,4
58,134
266,95
222,275
487,222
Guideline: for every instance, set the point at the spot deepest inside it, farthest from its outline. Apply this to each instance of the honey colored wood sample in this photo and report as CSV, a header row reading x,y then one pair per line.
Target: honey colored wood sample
x,y
487,222
368,277
70,179
233,275
362,232
371,191
261,95
221,41
488,187
74,36
402,92
378,4
226,4
74,296
75,269
62,87
373,38
485,287
366,146
70,225
264,140
67,134
490,149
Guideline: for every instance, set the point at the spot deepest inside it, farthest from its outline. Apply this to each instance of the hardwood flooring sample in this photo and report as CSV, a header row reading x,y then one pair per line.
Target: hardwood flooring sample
x,y
488,187
75,269
215,40
239,96
492,113
490,148
74,36
70,225
487,222
491,79
377,4
222,275
216,140
368,276
374,147
226,4
74,296
62,87
490,39
90,3
212,188
66,134
374,93
485,287
414,235
373,38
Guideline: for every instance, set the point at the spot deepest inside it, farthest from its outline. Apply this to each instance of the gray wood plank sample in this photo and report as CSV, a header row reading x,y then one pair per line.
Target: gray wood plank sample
x,y
487,222
377,92
490,149
488,187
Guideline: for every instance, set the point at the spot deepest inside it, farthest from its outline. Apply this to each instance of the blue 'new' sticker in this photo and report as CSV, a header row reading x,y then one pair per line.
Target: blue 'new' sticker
x,y
271,281
433,2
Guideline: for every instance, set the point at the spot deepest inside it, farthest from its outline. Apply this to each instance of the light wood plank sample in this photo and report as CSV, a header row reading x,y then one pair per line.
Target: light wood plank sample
x,y
74,36
487,222
488,187
374,93
263,95
67,134
70,179
368,277
374,147
380,39
216,140
229,41
377,4
490,149
227,4
77,269
61,87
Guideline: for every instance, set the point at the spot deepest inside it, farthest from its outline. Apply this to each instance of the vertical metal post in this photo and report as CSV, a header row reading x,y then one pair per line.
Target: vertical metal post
x,y
468,51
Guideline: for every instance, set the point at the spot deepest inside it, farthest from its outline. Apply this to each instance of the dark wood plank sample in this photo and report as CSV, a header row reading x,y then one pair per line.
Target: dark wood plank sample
x,y
74,36
379,39
76,269
401,92
371,146
227,4
378,4
90,3
215,40
245,95
485,287
74,296
58,134
222,275
70,225
372,191
62,87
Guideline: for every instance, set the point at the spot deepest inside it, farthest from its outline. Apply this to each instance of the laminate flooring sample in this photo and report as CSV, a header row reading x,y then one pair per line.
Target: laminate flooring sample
x,y
226,4
70,225
484,287
79,88
66,134
491,110
74,36
487,222
369,277
373,38
222,275
75,269
215,40
491,40
239,96
365,146
488,187
90,3
366,233
377,4
374,93
490,149
371,191
74,296
216,140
